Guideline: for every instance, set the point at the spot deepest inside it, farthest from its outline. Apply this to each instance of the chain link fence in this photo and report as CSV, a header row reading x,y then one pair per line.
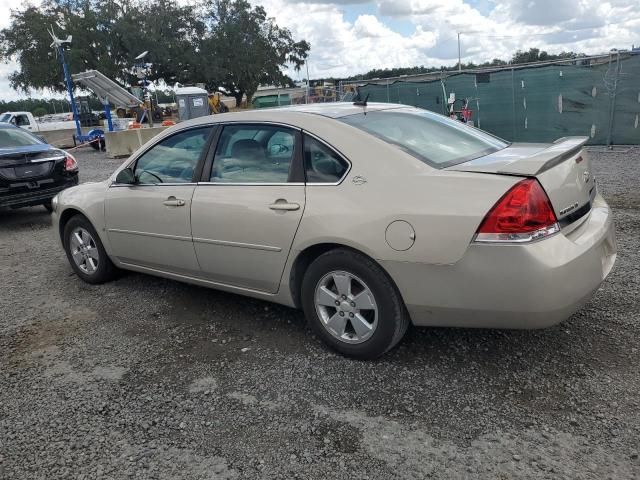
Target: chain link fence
x,y
597,96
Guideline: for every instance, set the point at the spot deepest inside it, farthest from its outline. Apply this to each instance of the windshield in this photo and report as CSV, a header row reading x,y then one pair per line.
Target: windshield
x,y
5,117
16,137
435,139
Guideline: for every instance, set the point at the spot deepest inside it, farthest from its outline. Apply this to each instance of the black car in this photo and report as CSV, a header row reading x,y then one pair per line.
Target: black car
x,y
32,172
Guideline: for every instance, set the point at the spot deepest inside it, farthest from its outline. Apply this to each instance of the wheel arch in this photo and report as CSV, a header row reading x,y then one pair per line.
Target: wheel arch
x,y
306,257
65,216
70,212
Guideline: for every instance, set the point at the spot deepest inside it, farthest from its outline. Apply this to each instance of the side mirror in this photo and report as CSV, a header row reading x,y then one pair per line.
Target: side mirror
x,y
126,177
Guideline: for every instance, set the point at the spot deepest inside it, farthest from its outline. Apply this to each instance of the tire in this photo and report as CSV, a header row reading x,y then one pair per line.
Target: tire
x,y
48,206
95,266
384,325
98,144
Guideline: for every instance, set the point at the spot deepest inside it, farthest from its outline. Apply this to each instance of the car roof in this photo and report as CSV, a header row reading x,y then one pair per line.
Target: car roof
x,y
302,116
7,125
337,109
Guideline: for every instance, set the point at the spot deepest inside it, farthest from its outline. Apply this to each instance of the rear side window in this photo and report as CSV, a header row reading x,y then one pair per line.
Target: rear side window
x,y
16,137
322,165
435,139
254,154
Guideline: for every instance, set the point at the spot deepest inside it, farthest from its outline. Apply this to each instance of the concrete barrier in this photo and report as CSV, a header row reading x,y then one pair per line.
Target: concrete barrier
x,y
123,143
59,138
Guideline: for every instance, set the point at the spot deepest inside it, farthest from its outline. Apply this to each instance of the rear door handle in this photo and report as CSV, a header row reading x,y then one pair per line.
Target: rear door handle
x,y
174,202
282,204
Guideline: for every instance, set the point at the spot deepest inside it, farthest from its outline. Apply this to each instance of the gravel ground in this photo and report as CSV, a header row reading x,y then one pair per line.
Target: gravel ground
x,y
149,378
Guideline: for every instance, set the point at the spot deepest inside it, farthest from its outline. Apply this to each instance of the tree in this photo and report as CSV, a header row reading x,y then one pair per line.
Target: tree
x,y
107,36
247,48
225,43
39,111
536,55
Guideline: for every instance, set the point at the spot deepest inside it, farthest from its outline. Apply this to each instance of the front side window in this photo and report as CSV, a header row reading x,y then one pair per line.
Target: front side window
x,y
435,139
22,120
322,165
174,159
254,154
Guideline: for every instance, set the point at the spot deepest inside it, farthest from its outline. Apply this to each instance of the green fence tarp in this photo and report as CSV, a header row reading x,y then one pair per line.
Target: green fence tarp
x,y
537,103
272,101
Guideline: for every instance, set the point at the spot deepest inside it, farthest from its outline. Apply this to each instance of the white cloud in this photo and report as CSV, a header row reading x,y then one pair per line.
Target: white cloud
x,y
344,46
590,26
6,92
370,26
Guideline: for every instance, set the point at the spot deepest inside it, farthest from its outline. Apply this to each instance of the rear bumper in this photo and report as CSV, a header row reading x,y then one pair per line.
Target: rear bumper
x,y
36,196
512,286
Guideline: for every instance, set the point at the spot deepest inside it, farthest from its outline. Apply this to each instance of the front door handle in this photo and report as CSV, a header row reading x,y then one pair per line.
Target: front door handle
x,y
174,202
282,204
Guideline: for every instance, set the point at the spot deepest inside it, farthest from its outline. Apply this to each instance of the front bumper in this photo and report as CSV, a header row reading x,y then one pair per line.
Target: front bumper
x,y
512,286
36,196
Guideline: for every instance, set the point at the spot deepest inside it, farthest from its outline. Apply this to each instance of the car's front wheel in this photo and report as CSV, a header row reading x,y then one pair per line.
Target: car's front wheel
x,y
85,251
352,304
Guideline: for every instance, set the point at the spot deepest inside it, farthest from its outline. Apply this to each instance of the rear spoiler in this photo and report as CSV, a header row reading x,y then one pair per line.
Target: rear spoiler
x,y
533,163
558,152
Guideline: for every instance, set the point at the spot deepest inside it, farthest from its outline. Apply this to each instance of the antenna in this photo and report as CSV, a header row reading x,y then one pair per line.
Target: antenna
x,y
58,42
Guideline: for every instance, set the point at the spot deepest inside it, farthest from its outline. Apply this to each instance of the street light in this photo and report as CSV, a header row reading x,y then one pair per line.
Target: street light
x,y
306,63
459,55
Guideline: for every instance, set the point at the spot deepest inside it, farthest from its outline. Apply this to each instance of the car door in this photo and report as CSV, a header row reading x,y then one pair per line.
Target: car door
x,y
246,211
22,121
148,222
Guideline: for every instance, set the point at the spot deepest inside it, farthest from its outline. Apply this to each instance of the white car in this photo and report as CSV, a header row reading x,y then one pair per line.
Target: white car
x,y
368,217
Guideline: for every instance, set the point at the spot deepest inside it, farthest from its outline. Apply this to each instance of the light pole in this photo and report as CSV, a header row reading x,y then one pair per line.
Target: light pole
x,y
459,54
306,63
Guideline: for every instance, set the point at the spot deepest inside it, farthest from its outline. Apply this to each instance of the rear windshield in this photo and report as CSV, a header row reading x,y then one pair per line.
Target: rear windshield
x,y
16,137
435,139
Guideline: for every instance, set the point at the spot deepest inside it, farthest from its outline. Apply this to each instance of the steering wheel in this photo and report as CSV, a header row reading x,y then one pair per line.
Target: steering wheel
x,y
152,174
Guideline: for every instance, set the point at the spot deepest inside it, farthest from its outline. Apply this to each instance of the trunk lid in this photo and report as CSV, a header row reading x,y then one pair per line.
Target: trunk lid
x,y
563,168
34,161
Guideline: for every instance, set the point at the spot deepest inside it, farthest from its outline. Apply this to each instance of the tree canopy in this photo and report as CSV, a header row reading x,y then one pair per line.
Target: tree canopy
x,y
537,55
219,43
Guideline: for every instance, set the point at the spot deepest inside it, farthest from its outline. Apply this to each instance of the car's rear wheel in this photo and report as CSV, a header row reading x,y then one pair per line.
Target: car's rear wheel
x,y
86,253
353,305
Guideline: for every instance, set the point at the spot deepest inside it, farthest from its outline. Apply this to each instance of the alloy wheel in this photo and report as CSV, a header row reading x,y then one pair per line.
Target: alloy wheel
x,y
84,250
346,306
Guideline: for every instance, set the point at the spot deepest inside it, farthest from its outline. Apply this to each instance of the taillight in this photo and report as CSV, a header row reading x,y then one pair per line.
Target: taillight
x,y
70,164
523,214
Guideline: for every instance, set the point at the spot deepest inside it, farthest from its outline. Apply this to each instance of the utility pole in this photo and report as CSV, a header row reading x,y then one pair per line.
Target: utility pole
x,y
459,55
306,63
